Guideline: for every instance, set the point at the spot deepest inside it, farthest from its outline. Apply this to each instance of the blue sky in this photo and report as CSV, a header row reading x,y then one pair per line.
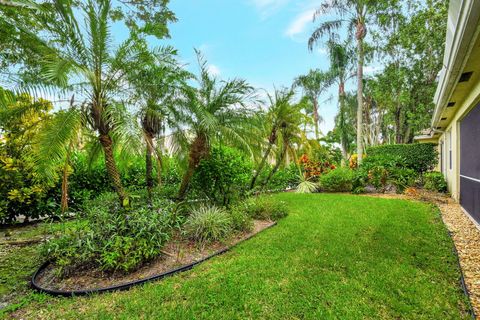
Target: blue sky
x,y
262,41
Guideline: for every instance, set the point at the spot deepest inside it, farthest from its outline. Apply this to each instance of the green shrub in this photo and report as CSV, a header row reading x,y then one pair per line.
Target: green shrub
x,y
222,177
110,238
435,181
207,224
402,178
382,170
338,180
284,178
420,157
264,208
241,221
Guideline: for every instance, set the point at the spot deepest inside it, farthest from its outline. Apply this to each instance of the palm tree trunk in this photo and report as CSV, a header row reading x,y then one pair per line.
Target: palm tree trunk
x,y
158,156
343,138
277,165
65,174
261,165
149,165
360,34
112,170
198,151
315,117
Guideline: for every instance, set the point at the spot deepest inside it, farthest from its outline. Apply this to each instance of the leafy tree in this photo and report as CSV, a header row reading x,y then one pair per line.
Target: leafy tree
x,y
21,192
217,111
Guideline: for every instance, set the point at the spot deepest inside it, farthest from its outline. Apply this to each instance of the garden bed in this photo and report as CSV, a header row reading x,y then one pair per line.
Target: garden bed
x,y
177,253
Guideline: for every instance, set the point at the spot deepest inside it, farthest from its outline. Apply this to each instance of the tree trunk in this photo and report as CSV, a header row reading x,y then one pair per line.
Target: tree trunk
x,y
260,166
65,174
271,141
198,151
158,156
277,164
315,117
360,34
149,165
112,169
343,138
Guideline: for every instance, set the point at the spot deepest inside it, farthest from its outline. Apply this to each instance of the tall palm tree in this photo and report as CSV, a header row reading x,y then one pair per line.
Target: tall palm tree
x,y
218,111
85,64
278,116
341,68
314,84
354,14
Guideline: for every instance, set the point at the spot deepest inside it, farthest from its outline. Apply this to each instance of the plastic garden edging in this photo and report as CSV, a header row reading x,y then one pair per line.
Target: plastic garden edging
x,y
128,285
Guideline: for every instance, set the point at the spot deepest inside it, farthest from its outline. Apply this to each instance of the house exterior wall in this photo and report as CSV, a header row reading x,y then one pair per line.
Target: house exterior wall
x,y
452,174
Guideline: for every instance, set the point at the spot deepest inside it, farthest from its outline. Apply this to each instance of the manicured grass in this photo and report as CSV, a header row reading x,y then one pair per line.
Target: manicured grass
x,y
334,257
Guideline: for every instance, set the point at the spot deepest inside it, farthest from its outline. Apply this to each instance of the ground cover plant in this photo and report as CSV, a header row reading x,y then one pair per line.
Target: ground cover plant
x,y
369,258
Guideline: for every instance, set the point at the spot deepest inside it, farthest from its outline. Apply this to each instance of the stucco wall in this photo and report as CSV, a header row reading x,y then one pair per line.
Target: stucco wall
x,y
453,175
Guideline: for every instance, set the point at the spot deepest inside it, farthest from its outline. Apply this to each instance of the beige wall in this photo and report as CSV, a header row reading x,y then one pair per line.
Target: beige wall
x,y
453,128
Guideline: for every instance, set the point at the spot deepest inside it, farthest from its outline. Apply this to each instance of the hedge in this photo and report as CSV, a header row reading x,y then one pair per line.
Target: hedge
x,y
420,157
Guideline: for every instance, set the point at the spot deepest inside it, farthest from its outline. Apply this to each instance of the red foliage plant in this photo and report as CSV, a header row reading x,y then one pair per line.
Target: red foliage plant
x,y
314,169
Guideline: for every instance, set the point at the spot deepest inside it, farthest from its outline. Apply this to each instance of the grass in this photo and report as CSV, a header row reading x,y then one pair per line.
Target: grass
x,y
334,257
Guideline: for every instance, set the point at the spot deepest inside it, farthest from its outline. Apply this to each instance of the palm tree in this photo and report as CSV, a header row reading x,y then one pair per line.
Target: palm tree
x,y
354,14
218,112
290,135
84,63
278,116
314,84
341,66
156,85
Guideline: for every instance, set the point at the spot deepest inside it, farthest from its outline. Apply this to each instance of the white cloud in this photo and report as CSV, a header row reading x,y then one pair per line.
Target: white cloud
x,y
213,70
267,8
298,25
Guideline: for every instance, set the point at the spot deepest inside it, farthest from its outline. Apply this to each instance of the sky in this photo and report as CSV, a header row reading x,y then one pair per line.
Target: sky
x,y
261,41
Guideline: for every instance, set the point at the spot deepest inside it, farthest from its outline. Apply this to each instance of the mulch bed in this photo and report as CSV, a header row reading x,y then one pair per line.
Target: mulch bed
x,y
177,252
464,232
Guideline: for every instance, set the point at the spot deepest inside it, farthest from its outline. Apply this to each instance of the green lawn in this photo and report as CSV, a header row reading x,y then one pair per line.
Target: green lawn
x,y
334,257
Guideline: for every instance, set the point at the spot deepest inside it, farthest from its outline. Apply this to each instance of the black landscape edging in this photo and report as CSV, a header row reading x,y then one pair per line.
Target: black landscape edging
x,y
462,279
128,285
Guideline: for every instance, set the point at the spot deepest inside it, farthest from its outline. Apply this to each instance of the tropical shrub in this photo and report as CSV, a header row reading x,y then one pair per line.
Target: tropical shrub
x,y
111,238
264,208
207,224
241,221
21,192
312,168
435,181
383,170
420,157
338,180
283,179
222,177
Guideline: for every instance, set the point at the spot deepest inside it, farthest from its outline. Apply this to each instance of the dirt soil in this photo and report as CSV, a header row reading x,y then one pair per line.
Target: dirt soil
x,y
177,252
465,234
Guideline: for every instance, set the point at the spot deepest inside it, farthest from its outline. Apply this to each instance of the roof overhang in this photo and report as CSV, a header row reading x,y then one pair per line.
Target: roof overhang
x,y
462,31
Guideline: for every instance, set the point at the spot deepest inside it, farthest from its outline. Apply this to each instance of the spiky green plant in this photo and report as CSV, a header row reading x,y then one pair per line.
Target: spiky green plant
x,y
216,111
